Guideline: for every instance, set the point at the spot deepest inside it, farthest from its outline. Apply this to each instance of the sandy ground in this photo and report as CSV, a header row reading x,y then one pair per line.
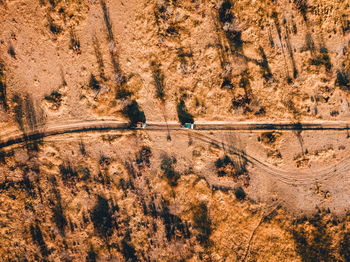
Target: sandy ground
x,y
66,62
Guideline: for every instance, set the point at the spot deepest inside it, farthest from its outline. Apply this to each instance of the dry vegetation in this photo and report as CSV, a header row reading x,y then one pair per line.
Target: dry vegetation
x,y
136,196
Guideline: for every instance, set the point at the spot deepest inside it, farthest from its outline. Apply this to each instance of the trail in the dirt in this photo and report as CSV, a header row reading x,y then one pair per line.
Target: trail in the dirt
x,y
288,177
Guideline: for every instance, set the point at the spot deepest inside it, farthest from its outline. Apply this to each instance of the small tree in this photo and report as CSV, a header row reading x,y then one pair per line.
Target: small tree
x,y
182,113
101,217
133,112
167,166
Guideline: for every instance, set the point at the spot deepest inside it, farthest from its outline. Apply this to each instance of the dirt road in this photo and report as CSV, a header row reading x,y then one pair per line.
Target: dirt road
x,y
106,125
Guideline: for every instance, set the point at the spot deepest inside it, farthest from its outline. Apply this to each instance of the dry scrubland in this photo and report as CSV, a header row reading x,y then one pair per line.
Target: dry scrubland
x,y
141,196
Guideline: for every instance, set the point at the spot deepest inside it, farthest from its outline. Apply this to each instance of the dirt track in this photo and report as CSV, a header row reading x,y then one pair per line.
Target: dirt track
x,y
106,125
287,177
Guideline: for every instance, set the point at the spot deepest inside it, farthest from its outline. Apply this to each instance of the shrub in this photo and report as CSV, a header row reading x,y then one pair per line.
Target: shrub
x,y
143,157
313,244
91,255
202,223
54,28
128,250
68,173
182,113
167,166
94,83
227,18
11,51
122,92
74,42
343,79
226,166
54,97
264,64
240,193
322,59
58,216
345,246
133,112
302,6
101,217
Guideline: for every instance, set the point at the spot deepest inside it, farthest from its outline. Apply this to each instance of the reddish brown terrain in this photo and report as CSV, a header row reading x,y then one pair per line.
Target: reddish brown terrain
x,y
264,174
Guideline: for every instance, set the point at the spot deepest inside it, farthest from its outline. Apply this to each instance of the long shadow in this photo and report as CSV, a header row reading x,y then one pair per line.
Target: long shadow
x,y
3,100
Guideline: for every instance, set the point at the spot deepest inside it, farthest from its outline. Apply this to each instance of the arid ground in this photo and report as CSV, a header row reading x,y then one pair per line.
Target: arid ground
x,y
263,176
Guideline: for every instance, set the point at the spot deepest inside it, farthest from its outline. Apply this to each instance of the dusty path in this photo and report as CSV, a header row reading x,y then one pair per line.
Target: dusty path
x,y
288,177
106,125
291,177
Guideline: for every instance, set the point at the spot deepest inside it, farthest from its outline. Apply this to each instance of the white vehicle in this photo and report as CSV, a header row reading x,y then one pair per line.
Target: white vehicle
x,y
188,126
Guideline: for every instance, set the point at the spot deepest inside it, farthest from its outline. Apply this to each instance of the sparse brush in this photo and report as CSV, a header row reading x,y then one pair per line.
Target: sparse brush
x,y
54,97
227,166
74,42
54,28
322,59
239,193
182,113
133,112
343,78
94,83
143,157
167,166
101,217
202,223
302,6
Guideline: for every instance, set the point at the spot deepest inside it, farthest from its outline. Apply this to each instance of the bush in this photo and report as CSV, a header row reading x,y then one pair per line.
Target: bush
x,y
74,42
133,112
122,92
182,113
202,223
302,6
58,216
226,166
68,173
167,166
54,28
128,250
143,157
240,193
322,59
101,217
343,79
226,18
94,83
345,246
91,255
54,97
313,244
